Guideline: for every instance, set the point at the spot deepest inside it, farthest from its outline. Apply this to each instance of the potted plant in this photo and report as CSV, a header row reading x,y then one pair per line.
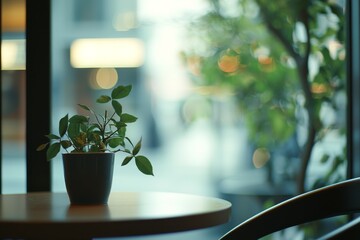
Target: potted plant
x,y
90,143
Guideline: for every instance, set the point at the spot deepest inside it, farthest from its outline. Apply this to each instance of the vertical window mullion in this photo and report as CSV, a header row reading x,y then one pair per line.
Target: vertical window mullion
x,y
37,93
353,63
1,156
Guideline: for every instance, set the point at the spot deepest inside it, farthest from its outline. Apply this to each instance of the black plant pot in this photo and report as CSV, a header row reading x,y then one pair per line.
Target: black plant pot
x,y
88,177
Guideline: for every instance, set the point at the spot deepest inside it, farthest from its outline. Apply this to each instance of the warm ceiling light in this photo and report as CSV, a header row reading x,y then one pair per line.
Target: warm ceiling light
x,y
107,52
13,54
13,15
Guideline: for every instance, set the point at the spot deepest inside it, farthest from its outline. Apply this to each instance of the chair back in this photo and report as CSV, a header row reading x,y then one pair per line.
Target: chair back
x,y
334,200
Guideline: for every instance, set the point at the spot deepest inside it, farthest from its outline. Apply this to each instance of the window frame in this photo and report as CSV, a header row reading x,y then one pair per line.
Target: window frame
x,y
38,93
38,35
353,87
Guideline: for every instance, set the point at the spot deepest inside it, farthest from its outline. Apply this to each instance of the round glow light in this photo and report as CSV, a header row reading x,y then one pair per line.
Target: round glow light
x,y
106,78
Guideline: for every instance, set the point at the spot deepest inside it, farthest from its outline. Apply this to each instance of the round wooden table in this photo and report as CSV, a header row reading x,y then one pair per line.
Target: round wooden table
x,y
50,215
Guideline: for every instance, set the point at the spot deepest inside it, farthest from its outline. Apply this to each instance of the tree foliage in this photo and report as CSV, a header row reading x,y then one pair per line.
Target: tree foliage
x,y
284,62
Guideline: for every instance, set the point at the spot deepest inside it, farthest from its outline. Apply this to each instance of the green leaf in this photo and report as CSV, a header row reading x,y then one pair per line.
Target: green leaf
x,y
63,125
129,141
84,127
144,165
78,119
103,99
120,126
126,160
95,136
102,146
52,151
324,158
80,140
93,127
121,92
65,144
117,107
94,148
114,142
127,118
127,151
102,117
122,130
52,136
137,148
42,147
85,107
73,129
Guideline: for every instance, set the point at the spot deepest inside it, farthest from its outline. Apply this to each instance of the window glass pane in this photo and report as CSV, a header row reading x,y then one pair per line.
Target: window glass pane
x,y
218,92
13,95
225,92
234,98
153,67
276,73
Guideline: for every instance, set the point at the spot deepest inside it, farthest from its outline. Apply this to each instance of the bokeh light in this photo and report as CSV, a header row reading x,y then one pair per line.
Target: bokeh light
x,y
260,157
103,78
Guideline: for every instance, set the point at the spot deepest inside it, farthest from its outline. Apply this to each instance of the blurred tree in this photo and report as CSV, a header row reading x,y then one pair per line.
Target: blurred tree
x,y
285,62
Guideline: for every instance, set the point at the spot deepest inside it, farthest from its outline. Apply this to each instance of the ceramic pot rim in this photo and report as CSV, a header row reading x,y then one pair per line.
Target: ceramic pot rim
x,y
84,153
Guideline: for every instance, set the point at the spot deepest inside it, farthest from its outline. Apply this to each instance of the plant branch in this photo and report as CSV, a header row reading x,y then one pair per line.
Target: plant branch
x,y
267,19
303,73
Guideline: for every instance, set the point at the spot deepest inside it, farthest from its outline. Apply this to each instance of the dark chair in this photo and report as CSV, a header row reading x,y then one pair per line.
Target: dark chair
x,y
349,231
335,200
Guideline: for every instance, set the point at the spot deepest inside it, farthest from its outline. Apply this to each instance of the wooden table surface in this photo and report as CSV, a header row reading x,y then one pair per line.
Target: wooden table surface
x,y
50,216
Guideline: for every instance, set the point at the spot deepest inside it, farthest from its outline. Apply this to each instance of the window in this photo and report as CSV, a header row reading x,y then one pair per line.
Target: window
x,y
191,131
13,85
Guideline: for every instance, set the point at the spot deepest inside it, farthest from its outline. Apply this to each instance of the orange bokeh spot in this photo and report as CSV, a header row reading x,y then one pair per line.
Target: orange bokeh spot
x,y
319,88
265,60
266,63
228,63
